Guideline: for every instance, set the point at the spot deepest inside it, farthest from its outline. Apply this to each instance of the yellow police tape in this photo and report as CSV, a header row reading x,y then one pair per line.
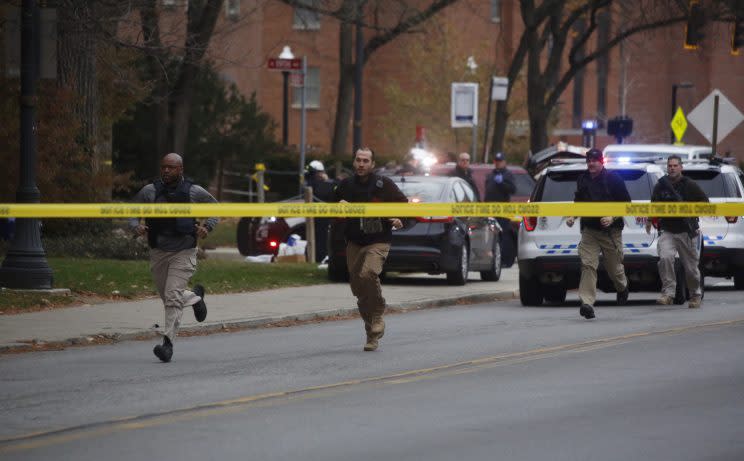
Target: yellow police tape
x,y
327,210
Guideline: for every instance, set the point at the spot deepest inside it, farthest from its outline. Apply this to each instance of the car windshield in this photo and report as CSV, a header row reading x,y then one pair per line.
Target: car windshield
x,y
714,183
560,186
420,191
620,155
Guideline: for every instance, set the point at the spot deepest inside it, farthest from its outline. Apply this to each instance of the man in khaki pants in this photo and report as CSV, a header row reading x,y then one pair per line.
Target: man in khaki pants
x,y
368,241
600,234
678,235
173,247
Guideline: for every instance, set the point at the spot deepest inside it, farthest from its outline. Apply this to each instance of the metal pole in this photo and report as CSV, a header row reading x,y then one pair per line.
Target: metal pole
x,y
285,109
488,123
674,107
715,125
475,142
358,75
310,228
302,123
25,265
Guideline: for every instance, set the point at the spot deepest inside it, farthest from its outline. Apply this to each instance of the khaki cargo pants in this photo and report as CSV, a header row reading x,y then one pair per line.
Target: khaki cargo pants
x,y
171,271
610,243
365,265
688,249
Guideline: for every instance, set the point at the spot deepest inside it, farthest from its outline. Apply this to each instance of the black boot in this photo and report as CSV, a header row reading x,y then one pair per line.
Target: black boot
x,y
622,297
165,351
200,308
586,311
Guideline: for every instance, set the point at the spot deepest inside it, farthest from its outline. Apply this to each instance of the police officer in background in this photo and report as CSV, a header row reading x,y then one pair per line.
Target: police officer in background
x,y
500,186
316,177
600,234
678,235
173,247
368,241
463,170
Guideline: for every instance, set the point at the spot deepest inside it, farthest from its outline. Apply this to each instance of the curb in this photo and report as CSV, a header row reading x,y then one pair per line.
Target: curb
x,y
277,321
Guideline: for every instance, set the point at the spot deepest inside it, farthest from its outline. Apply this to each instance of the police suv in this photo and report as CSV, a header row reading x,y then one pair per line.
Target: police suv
x,y
723,236
549,263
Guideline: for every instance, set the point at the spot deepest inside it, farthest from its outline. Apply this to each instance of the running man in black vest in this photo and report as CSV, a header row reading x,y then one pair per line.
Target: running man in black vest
x,y
173,247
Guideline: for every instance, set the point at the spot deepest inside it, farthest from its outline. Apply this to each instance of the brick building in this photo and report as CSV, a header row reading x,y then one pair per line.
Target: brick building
x,y
637,77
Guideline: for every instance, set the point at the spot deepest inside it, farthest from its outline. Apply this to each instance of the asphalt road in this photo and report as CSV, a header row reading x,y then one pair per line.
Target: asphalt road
x,y
494,381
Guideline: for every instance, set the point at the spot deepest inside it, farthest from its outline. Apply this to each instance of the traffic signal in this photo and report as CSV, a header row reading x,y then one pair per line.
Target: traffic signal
x,y
737,35
695,23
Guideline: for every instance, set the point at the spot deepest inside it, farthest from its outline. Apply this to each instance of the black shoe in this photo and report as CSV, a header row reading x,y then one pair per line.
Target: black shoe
x,y
622,297
586,311
200,308
165,351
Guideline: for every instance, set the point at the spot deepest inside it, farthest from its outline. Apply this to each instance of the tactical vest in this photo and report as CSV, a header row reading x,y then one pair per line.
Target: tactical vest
x,y
170,226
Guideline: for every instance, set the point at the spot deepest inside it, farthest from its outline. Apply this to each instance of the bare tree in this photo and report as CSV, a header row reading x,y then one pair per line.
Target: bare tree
x,y
383,21
545,45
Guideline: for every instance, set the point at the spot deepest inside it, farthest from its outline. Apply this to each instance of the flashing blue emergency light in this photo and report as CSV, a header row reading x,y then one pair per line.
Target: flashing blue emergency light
x,y
589,124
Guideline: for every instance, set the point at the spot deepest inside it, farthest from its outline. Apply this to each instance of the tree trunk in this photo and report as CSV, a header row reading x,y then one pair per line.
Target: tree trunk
x,y
77,70
202,18
345,92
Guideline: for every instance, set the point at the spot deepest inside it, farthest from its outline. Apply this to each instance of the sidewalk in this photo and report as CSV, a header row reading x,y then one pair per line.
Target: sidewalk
x,y
136,319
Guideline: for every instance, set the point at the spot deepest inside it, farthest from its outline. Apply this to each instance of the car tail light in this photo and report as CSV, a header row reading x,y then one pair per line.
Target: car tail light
x,y
435,219
732,219
530,222
655,222
273,244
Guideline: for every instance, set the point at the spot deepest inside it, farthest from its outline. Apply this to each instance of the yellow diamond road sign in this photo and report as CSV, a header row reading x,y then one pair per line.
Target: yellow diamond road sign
x,y
679,124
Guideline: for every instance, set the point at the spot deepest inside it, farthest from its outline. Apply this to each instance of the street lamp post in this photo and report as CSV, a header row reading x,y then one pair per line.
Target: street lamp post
x,y
25,265
674,99
285,54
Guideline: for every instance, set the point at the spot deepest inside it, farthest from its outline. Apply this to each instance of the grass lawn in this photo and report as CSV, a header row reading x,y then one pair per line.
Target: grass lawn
x,y
224,235
115,279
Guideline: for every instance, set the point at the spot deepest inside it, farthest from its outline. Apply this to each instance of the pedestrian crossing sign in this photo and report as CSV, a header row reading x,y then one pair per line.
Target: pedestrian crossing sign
x,y
679,125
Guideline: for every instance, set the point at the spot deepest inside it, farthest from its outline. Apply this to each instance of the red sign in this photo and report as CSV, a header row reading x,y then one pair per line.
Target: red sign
x,y
286,65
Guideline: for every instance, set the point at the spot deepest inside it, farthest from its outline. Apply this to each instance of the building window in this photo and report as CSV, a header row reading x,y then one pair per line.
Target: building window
x,y
232,9
306,19
496,10
312,90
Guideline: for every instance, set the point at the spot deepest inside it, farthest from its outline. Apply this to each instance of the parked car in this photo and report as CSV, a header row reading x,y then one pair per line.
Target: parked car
x,y
723,236
524,183
453,245
258,236
549,263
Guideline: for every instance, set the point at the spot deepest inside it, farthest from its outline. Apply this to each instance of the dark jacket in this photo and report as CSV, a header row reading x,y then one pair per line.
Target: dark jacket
x,y
686,189
180,193
500,191
365,231
323,190
606,187
467,175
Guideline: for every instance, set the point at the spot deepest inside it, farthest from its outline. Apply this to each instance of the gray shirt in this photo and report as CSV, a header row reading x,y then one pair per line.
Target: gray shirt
x,y
175,242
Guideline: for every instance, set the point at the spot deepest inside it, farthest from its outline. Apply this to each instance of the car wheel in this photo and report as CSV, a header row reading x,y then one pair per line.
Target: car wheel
x,y
337,272
529,291
555,295
739,279
460,276
680,294
493,274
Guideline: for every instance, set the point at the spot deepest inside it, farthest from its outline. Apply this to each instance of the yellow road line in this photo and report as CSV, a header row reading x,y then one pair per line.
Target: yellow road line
x,y
42,439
